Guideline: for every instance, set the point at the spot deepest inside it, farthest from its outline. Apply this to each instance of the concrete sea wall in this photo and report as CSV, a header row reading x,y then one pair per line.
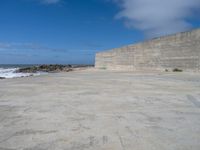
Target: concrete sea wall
x,y
180,51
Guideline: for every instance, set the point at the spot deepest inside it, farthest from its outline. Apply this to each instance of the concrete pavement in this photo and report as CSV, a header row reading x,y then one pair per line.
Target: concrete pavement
x,y
101,110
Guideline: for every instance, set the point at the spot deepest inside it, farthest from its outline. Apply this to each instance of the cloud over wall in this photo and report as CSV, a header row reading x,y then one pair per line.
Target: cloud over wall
x,y
158,17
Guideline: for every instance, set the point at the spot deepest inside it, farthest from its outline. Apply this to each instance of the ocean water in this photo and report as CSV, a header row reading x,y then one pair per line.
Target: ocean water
x,y
8,71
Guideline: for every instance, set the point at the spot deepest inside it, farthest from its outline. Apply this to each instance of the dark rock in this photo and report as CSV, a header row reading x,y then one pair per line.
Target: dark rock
x,y
2,78
177,70
46,68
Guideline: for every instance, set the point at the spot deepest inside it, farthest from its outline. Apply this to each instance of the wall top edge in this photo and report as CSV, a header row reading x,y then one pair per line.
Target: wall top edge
x,y
153,39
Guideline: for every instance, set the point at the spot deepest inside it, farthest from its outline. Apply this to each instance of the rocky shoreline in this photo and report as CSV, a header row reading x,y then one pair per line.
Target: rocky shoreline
x,y
45,68
39,69
50,68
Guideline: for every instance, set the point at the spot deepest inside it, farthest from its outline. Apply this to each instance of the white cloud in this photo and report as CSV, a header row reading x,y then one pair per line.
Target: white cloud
x,y
158,17
50,1
27,46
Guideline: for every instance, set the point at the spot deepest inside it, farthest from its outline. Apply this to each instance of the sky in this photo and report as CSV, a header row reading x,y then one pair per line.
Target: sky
x,y
72,31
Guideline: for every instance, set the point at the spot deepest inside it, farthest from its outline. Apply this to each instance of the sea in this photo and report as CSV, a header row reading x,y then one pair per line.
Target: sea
x,y
9,71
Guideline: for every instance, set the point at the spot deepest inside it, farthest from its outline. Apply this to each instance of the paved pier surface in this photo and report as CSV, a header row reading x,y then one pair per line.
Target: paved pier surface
x,y
99,110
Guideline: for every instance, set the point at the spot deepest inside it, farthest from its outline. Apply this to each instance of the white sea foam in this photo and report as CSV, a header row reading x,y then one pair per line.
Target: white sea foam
x,y
10,73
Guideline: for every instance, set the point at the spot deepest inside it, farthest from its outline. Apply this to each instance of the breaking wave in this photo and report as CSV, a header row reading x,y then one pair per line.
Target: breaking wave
x,y
11,73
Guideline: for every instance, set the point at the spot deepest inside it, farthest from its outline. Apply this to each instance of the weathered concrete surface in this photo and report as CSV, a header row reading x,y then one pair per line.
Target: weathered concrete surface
x,y
175,51
97,110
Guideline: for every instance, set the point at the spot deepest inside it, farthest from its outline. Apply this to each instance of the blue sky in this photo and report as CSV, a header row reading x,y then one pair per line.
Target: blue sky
x,y
72,31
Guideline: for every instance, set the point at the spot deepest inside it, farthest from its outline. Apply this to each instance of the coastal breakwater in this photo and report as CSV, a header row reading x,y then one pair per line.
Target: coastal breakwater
x,y
180,51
